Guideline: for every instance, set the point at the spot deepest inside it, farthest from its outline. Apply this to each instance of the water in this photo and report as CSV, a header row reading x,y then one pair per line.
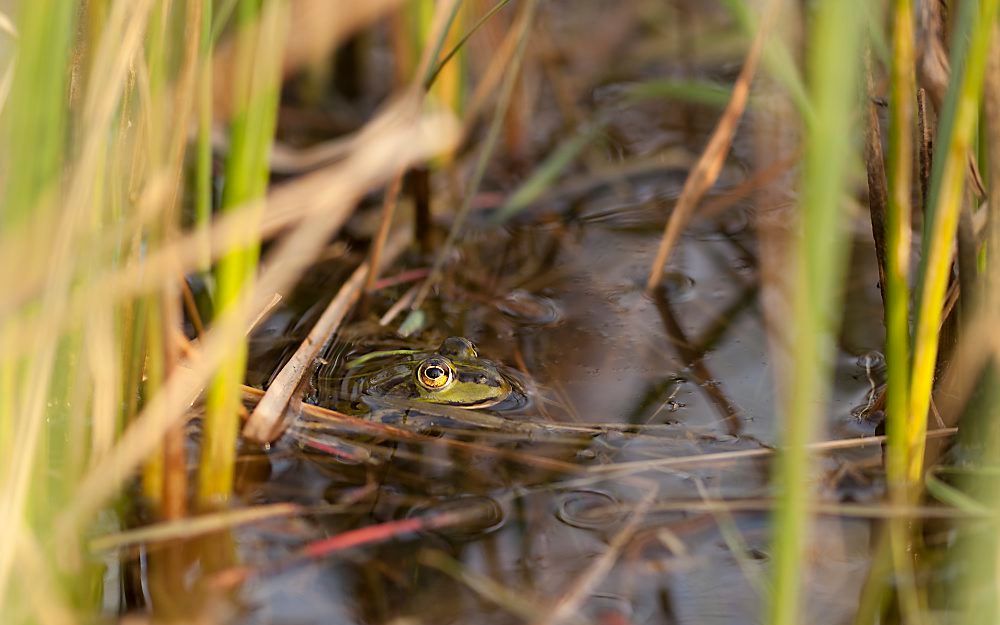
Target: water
x,y
622,377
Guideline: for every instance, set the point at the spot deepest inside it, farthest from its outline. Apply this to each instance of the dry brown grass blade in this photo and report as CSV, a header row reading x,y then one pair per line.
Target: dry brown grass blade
x,y
355,425
193,526
389,203
319,25
932,64
745,454
375,160
316,196
978,345
266,423
514,600
126,26
991,108
878,189
752,183
706,170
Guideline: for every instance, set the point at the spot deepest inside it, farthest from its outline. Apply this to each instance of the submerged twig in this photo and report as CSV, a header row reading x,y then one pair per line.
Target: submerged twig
x,y
351,539
706,170
570,601
695,361
838,509
513,601
338,423
194,526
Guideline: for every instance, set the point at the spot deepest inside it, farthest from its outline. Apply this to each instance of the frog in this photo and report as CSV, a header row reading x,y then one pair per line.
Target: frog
x,y
452,375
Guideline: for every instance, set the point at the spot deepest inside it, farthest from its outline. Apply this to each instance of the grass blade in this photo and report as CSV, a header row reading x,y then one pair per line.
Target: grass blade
x,y
955,132
821,252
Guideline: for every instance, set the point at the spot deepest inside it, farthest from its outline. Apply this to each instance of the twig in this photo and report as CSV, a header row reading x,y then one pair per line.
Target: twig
x,y
706,170
694,360
753,182
331,419
512,600
351,539
846,510
991,106
401,304
265,423
570,601
268,307
878,193
193,526
418,185
926,148
389,203
191,306
747,454
489,144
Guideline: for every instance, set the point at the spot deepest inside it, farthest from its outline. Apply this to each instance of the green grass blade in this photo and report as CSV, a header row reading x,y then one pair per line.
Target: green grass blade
x,y
955,132
546,173
486,153
821,252
900,157
902,102
257,90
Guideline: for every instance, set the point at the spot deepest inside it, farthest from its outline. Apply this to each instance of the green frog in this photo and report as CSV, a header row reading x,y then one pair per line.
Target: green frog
x,y
452,375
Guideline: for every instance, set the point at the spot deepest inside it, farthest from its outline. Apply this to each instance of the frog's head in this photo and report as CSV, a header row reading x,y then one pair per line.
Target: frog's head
x,y
452,375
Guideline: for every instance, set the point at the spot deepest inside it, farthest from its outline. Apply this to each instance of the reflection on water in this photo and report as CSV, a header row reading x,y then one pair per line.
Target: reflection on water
x,y
620,377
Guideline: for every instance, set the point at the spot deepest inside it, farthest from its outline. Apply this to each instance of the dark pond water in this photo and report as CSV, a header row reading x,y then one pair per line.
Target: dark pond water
x,y
596,507
665,379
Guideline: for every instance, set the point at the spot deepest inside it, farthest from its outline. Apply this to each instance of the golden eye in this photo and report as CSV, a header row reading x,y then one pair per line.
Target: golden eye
x,y
435,373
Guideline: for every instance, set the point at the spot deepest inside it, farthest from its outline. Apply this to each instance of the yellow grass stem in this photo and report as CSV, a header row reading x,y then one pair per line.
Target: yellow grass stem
x,y
256,87
504,97
34,126
902,101
958,122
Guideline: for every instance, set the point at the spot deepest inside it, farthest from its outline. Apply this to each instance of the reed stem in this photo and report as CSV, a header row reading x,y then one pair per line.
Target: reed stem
x,y
955,131
257,75
820,255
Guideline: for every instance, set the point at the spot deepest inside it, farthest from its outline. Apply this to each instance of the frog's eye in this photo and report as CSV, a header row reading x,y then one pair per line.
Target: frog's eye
x,y
435,373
